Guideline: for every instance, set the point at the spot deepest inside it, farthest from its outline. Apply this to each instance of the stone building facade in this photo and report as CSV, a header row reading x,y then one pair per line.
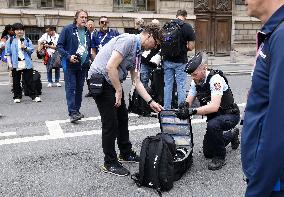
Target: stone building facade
x,y
36,14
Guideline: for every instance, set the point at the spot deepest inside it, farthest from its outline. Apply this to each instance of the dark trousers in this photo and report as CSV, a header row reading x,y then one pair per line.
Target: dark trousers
x,y
215,140
26,76
114,124
74,82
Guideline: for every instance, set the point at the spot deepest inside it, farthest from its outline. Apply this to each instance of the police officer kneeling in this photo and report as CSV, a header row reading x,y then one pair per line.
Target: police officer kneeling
x,y
211,88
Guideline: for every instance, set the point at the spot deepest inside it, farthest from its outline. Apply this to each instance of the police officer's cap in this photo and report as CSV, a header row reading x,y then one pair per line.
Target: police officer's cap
x,y
193,63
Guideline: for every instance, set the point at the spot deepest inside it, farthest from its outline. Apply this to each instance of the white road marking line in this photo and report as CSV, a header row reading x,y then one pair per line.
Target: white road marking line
x,y
56,132
6,134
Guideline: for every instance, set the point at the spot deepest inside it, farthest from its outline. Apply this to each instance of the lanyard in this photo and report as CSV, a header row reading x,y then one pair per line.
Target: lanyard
x,y
80,43
138,53
102,40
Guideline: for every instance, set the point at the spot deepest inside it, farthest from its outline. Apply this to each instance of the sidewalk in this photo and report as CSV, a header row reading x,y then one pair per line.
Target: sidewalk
x,y
242,64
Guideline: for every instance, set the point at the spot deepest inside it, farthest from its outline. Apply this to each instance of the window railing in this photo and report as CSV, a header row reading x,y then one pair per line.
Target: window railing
x,y
20,3
134,5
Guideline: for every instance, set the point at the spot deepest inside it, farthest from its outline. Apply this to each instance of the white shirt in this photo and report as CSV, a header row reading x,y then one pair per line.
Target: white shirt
x,y
47,38
217,83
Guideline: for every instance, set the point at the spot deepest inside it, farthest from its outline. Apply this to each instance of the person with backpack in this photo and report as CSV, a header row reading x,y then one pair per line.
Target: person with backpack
x,y
216,100
18,51
262,141
48,41
179,38
120,55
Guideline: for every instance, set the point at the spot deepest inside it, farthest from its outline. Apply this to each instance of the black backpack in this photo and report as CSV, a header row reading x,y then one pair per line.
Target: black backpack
x,y
156,166
172,44
138,105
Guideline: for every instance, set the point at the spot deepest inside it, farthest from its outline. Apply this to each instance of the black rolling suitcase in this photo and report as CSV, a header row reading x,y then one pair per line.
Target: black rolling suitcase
x,y
181,131
35,81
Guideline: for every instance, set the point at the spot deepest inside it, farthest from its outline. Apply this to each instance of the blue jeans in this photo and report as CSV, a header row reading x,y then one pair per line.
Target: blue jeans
x,y
215,139
57,75
74,82
145,74
173,71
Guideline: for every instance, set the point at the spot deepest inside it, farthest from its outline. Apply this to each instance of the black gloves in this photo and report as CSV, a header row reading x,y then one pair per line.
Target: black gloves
x,y
184,111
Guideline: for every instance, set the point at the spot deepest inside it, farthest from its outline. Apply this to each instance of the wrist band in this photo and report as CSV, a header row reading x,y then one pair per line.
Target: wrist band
x,y
149,102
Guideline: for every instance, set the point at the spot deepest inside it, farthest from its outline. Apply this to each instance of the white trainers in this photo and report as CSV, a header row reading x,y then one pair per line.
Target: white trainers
x,y
49,85
58,85
17,100
37,99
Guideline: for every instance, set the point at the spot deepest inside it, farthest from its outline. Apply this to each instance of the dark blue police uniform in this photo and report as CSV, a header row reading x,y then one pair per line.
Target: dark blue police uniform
x,y
262,142
100,38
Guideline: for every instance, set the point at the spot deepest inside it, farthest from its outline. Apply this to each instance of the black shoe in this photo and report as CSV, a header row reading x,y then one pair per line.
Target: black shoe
x,y
116,169
216,163
74,118
235,141
132,157
80,115
88,95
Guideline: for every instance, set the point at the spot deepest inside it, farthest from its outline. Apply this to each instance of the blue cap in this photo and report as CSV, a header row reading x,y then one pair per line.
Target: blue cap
x,y
193,63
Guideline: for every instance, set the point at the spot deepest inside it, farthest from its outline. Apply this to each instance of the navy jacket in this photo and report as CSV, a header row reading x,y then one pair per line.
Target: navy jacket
x,y
101,38
262,143
67,45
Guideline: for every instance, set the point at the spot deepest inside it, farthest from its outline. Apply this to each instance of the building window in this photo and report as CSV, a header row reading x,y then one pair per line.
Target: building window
x,y
240,2
19,3
34,33
52,4
134,5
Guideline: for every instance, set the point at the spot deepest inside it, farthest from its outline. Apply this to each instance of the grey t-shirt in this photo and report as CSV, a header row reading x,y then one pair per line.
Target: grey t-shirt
x,y
126,45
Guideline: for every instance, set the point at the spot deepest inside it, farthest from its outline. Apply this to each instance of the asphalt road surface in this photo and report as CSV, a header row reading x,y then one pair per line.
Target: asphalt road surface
x,y
42,154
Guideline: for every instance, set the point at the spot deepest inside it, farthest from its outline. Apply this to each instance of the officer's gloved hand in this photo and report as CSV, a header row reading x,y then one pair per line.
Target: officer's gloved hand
x,y
183,110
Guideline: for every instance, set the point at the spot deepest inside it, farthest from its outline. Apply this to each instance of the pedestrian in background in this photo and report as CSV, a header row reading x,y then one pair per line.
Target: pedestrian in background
x,y
262,140
92,30
6,34
110,68
74,46
149,61
49,41
174,66
103,36
18,51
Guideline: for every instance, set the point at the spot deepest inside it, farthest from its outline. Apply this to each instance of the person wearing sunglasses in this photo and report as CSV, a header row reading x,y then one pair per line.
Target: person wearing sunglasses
x,y
103,36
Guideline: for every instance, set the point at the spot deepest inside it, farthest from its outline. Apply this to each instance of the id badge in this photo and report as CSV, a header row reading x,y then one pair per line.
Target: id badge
x,y
81,49
21,65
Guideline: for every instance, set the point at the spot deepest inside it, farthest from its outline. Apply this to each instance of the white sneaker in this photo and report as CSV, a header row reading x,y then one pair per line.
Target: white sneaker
x,y
49,85
37,99
17,100
58,84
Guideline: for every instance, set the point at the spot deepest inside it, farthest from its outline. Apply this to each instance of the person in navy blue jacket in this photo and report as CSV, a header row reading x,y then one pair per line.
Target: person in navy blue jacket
x,y
262,141
74,46
103,36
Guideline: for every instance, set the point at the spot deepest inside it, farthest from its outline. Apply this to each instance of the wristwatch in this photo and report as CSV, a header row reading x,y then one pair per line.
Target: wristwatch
x,y
149,102
194,111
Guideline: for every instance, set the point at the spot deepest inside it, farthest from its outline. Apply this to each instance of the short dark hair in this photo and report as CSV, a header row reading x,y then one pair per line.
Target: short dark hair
x,y
181,13
155,30
51,28
101,18
17,26
90,20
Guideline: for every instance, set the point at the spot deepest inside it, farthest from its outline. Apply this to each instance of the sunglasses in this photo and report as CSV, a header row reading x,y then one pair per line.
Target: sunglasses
x,y
104,22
